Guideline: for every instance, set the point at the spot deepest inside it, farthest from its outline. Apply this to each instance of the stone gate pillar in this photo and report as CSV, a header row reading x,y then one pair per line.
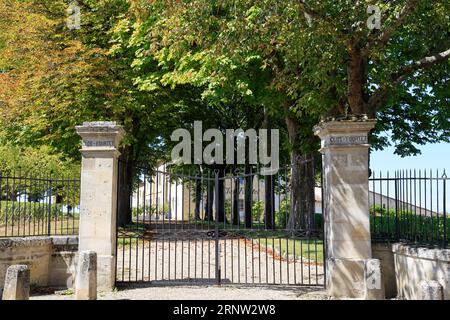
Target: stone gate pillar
x,y
345,152
98,197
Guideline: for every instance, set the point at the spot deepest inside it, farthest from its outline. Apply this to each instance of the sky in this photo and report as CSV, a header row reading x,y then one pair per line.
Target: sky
x,y
434,156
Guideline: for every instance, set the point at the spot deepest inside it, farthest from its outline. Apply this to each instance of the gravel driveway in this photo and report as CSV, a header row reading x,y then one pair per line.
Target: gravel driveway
x,y
185,270
241,261
234,292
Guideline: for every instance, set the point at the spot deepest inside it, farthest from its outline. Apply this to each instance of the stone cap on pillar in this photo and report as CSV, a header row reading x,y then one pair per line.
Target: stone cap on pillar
x,y
344,132
100,135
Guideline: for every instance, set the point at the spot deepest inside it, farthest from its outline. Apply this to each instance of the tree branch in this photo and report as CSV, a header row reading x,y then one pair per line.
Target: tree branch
x,y
306,9
386,35
314,14
380,97
420,64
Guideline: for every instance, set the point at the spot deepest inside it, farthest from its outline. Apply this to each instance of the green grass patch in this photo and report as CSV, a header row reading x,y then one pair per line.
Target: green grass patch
x,y
11,211
308,249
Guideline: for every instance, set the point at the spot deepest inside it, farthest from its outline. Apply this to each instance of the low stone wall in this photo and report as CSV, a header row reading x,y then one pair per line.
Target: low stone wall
x,y
63,262
52,260
414,264
383,252
405,266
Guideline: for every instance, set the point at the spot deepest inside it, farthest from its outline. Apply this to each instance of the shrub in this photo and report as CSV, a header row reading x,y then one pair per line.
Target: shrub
x,y
406,224
152,210
257,210
281,217
12,211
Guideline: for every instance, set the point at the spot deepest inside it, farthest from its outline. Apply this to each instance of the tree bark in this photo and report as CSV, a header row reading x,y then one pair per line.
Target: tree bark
x,y
355,78
198,198
209,202
235,208
269,203
125,187
302,193
302,183
221,198
269,196
11,195
248,196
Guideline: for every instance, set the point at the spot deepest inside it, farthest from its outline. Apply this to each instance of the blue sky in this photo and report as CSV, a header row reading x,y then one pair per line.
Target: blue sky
x,y
434,156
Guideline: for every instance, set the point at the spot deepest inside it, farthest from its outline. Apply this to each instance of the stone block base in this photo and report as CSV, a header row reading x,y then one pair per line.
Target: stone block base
x,y
354,278
430,290
106,273
17,283
86,281
374,280
345,278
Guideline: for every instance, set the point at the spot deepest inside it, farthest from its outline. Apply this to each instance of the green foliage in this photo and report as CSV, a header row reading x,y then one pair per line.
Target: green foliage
x,y
159,65
157,211
37,162
311,249
12,211
281,217
258,210
407,225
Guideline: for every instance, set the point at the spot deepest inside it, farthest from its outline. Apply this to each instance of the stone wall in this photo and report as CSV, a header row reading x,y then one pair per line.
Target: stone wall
x,y
414,264
383,252
52,260
405,266
63,262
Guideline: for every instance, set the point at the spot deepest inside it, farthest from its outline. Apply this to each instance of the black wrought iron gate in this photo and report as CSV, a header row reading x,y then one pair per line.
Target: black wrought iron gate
x,y
218,228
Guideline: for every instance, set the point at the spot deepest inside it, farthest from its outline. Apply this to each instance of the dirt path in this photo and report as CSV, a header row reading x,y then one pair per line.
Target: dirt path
x,y
241,261
231,292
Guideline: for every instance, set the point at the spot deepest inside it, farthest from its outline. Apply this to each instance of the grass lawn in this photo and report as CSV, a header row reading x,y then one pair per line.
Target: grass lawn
x,y
59,226
309,249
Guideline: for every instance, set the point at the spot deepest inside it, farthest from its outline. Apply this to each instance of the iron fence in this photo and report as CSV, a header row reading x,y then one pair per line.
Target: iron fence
x,y
216,226
410,206
37,205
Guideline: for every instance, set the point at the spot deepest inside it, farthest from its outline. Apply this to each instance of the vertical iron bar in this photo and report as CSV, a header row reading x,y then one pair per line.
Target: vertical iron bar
x,y
216,229
389,231
445,209
397,230
50,207
438,235
287,259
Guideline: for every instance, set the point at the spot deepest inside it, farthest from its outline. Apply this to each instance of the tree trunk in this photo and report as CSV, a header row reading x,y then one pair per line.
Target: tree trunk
x,y
125,187
356,80
59,199
209,206
269,196
11,194
235,208
301,215
221,198
198,198
302,184
248,196
269,203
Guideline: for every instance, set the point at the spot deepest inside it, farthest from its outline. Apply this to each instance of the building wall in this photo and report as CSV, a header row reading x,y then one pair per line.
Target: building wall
x,y
390,203
182,199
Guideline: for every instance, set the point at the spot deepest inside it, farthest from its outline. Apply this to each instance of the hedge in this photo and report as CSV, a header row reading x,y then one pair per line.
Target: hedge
x,y
14,211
